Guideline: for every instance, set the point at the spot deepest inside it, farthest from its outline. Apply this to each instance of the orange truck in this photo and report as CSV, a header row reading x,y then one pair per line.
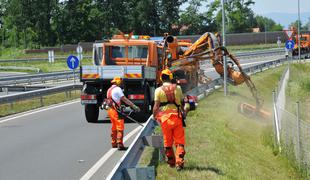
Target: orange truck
x,y
139,61
304,45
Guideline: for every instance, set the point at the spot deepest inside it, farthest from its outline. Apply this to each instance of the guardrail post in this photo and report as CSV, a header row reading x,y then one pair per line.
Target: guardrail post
x,y
140,173
298,134
66,92
69,94
41,101
155,141
5,90
11,106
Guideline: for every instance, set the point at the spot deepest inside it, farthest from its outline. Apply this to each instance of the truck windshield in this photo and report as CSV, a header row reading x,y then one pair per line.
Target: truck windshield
x,y
126,54
303,39
137,51
118,52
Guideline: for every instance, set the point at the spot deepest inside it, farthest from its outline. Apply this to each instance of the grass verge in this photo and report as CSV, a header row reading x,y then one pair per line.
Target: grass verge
x,y
44,66
26,105
223,144
252,47
19,53
298,89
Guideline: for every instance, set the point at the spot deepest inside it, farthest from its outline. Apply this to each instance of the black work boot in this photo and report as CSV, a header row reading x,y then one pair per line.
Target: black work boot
x,y
121,147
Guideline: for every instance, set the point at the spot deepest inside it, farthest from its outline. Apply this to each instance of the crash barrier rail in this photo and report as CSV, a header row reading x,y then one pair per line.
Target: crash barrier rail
x,y
260,52
42,77
12,98
20,88
126,168
62,58
37,70
292,134
238,54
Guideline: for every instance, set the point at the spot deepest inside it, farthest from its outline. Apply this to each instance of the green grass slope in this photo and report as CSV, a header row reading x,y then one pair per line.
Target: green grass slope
x,y
298,89
224,144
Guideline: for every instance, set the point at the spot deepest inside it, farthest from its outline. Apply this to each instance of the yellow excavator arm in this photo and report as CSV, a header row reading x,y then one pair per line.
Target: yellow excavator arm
x,y
208,47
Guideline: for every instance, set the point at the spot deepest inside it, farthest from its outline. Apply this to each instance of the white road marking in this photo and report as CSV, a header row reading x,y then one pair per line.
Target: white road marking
x,y
37,111
105,157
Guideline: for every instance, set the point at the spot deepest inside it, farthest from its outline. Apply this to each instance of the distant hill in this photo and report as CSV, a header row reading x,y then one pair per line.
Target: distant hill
x,y
287,18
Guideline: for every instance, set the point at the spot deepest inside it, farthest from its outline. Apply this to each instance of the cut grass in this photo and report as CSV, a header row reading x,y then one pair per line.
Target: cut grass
x,y
223,144
26,105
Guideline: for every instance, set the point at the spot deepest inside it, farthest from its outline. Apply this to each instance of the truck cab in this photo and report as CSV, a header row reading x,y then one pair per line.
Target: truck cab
x,y
135,60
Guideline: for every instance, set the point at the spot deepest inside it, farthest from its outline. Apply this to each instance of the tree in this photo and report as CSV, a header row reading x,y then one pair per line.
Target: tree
x,y
169,15
302,28
239,16
266,24
144,17
194,22
306,27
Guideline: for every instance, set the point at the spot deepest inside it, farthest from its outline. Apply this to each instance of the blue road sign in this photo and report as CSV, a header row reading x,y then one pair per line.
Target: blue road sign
x,y
72,62
289,44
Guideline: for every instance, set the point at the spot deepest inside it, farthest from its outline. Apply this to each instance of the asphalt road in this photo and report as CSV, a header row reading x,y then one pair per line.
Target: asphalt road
x,y
55,143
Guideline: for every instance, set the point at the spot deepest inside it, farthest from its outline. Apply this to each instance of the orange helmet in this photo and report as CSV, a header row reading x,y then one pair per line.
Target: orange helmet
x,y
117,80
166,72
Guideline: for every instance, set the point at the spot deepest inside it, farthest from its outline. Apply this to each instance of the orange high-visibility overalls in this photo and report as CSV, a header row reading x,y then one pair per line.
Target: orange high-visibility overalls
x,y
172,129
117,130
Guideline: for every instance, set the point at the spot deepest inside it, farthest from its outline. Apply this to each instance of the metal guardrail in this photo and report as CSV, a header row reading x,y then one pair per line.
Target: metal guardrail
x,y
37,93
260,52
36,59
126,167
42,77
251,53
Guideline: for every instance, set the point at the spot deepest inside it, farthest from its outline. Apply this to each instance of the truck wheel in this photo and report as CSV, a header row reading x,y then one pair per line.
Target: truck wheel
x,y
91,113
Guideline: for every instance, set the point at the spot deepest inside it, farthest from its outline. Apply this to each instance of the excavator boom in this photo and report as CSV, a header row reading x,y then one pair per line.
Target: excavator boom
x,y
208,47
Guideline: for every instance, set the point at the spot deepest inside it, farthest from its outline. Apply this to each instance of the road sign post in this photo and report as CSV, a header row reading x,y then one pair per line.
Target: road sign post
x,y
289,44
79,51
51,57
289,34
73,63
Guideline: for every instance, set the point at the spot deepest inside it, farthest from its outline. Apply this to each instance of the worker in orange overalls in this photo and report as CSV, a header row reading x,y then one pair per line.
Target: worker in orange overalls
x,y
116,97
167,110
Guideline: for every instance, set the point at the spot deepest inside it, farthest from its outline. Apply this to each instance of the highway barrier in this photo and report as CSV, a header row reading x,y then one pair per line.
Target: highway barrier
x,y
12,98
35,78
240,54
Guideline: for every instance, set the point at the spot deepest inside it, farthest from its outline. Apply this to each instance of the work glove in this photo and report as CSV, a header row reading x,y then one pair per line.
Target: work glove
x,y
136,108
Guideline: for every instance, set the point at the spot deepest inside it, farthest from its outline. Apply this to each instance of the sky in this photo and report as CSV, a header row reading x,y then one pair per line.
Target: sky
x,y
283,11
285,6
